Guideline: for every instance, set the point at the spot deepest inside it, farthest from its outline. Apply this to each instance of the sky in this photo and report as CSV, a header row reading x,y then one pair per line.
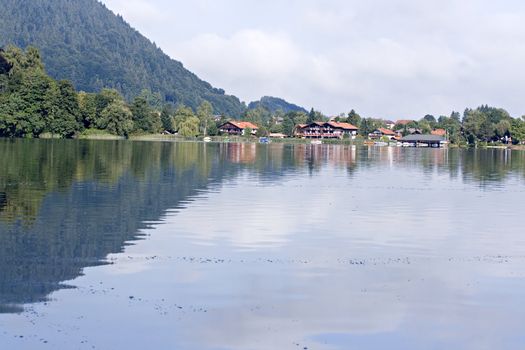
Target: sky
x,y
393,59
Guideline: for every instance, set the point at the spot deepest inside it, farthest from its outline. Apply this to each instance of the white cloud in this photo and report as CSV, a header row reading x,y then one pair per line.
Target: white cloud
x,y
390,59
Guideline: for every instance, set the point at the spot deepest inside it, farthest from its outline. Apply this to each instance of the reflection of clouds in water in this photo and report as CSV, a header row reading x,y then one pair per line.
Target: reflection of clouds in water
x,y
441,290
260,216
272,307
287,239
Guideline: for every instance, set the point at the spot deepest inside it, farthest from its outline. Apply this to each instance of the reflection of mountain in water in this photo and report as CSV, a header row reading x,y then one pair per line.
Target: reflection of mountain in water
x,y
66,205
73,204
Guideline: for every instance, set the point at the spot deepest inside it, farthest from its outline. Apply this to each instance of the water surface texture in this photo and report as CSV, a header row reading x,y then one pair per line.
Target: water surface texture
x,y
131,245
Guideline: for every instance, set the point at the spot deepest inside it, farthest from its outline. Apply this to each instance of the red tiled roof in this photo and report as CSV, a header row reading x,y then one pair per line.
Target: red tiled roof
x,y
346,126
404,121
386,131
439,132
244,125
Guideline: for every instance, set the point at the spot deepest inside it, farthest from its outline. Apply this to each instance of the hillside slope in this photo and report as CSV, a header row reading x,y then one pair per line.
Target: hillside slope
x,y
83,41
273,104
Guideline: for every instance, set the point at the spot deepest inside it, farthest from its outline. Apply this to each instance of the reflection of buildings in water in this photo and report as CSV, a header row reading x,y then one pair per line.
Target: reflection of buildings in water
x,y
243,153
399,156
336,155
3,200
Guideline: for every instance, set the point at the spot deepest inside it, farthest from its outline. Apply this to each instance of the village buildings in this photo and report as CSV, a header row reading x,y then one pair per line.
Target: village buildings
x,y
326,130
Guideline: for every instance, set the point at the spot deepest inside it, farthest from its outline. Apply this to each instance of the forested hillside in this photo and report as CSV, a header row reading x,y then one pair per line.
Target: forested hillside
x,y
86,43
274,104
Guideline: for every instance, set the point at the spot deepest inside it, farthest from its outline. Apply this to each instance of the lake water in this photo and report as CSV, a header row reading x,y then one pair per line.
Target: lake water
x,y
131,245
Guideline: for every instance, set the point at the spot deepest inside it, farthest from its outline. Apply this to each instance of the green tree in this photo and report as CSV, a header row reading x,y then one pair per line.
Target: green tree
x,y
425,126
23,102
166,118
205,115
182,113
117,118
288,126
354,118
503,128
213,130
262,131
430,119
87,105
145,119
62,111
189,127
517,130
369,125
311,117
258,116
452,125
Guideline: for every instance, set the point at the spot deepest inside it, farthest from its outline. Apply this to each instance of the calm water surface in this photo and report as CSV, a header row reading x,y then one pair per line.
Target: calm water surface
x,y
129,245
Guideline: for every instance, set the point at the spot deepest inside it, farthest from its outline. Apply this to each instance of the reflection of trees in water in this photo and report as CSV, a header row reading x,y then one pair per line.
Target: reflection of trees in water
x,y
479,166
492,166
69,204
66,205
3,200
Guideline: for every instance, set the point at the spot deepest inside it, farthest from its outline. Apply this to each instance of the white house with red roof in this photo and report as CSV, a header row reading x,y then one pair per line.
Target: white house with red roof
x,y
238,128
382,132
326,130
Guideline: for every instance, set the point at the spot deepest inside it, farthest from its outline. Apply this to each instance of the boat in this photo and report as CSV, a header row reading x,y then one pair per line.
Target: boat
x,y
264,140
207,139
316,142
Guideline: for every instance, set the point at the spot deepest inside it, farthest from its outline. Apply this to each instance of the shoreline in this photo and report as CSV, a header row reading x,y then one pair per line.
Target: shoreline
x,y
237,139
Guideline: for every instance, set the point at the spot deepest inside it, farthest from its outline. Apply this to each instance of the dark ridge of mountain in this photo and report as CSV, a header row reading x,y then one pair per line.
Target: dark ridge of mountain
x,y
83,41
273,104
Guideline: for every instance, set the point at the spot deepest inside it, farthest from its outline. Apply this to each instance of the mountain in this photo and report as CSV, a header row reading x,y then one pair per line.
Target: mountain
x,y
83,41
273,104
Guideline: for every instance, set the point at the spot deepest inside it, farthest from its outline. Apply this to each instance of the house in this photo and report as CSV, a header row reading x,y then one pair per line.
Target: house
x,y
389,124
414,131
439,132
404,122
326,130
379,133
238,128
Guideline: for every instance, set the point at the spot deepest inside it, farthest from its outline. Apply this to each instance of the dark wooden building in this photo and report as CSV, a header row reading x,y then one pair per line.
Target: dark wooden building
x,y
425,140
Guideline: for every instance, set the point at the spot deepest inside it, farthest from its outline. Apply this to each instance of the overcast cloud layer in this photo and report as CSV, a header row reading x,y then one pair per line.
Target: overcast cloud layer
x,y
384,58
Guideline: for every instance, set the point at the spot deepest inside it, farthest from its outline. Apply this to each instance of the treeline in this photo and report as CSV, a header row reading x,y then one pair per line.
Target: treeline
x,y
33,104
